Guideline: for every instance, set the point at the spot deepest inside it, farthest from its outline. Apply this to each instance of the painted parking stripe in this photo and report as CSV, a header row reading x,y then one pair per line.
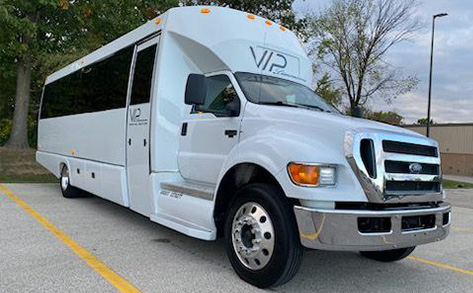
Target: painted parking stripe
x,y
441,265
121,284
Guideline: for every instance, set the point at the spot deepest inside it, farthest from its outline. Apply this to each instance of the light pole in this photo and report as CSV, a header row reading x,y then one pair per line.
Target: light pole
x,y
431,64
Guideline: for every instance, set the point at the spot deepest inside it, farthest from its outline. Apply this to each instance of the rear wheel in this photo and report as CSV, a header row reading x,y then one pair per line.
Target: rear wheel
x,y
261,236
67,189
388,255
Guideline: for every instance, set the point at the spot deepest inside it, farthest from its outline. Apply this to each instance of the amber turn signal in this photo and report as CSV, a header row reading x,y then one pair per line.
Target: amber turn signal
x,y
304,174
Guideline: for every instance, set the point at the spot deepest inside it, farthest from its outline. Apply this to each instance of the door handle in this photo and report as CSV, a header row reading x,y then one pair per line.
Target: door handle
x,y
230,132
144,142
184,129
129,141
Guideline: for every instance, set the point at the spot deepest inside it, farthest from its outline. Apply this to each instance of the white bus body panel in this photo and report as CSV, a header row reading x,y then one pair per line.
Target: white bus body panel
x,y
190,42
104,132
108,181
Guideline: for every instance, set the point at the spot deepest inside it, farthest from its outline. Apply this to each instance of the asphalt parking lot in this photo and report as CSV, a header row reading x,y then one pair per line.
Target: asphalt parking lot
x,y
52,244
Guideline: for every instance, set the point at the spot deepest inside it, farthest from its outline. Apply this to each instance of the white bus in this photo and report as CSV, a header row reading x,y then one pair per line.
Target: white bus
x,y
204,121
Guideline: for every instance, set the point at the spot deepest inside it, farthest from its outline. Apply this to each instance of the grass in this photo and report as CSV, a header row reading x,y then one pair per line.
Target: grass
x,y
451,184
20,166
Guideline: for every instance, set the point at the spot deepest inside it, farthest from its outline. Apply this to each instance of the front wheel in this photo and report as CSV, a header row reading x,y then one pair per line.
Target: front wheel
x,y
261,236
388,255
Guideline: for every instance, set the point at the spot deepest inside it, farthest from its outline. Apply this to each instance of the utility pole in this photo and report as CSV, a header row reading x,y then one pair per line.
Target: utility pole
x,y
431,65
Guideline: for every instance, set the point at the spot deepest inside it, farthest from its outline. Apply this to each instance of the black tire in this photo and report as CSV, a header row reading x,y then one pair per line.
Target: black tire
x,y
286,255
68,191
388,255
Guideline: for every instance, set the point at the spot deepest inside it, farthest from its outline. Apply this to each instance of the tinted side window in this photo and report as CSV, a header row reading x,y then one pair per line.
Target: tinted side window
x,y
143,76
97,87
104,84
57,98
220,93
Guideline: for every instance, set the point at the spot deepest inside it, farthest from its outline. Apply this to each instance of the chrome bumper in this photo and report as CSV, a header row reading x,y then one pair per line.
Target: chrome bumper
x,y
338,229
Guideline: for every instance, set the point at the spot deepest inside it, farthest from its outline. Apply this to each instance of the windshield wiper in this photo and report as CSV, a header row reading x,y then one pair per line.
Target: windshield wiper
x,y
315,107
278,103
306,106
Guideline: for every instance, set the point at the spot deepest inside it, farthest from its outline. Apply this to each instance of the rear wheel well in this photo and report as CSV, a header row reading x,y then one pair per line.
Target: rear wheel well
x,y
235,178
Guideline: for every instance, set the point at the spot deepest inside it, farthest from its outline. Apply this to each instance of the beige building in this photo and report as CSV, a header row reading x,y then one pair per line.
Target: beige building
x,y
456,145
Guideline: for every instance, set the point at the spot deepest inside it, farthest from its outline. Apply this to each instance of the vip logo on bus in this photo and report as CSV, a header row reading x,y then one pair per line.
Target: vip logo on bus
x,y
135,119
135,114
268,59
275,62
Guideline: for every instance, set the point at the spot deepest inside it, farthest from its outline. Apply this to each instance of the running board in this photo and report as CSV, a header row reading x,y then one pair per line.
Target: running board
x,y
183,226
199,190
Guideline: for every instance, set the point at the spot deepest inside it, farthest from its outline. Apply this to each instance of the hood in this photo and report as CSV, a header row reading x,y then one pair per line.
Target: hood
x,y
317,120
311,130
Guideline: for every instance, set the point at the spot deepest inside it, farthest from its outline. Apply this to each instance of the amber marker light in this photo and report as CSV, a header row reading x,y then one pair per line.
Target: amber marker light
x,y
157,20
251,16
282,28
268,22
311,175
205,10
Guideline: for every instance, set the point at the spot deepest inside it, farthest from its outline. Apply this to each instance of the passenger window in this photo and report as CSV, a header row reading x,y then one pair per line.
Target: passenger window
x,y
221,98
97,87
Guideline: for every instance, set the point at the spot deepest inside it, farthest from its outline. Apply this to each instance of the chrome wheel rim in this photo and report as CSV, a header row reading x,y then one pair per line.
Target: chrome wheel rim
x,y
64,178
253,236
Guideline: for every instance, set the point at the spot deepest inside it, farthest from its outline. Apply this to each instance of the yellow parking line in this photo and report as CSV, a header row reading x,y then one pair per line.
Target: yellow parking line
x,y
441,265
121,284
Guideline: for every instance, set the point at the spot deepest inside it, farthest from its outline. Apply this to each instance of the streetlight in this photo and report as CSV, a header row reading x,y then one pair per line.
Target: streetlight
x,y
431,64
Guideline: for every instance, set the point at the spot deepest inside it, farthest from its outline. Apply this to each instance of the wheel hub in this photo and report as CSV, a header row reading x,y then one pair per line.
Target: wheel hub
x,y
247,236
64,179
253,236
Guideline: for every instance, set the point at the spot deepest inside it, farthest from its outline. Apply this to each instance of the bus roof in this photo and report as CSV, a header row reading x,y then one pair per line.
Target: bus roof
x,y
234,40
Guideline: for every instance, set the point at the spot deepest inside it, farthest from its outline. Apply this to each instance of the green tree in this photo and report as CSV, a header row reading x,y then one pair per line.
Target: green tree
x,y
326,89
423,121
389,117
40,36
351,39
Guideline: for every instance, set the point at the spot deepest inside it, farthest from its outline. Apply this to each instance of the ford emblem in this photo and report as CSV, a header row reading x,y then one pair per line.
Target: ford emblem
x,y
415,168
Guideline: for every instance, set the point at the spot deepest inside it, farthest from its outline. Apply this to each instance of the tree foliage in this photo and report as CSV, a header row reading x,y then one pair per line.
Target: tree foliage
x,y
389,117
351,39
38,37
423,121
326,89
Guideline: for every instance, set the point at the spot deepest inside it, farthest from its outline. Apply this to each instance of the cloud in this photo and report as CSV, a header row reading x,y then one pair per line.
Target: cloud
x,y
452,84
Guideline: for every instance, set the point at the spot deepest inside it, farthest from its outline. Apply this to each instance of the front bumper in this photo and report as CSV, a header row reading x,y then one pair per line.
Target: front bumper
x,y
338,229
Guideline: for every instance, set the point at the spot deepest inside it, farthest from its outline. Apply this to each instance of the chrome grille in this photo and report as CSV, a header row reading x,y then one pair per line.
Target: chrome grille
x,y
403,167
390,146
407,167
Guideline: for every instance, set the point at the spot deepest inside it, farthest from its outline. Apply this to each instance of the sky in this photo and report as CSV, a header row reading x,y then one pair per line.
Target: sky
x,y
452,83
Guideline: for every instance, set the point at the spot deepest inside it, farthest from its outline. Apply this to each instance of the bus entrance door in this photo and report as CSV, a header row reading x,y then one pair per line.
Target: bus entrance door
x,y
138,127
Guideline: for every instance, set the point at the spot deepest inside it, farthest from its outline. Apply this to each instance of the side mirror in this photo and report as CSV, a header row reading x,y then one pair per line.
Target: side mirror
x,y
196,89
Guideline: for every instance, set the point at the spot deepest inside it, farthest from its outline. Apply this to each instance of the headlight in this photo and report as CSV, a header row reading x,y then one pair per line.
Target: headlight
x,y
312,174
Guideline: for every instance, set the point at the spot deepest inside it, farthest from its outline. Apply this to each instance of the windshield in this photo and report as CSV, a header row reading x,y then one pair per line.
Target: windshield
x,y
267,90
